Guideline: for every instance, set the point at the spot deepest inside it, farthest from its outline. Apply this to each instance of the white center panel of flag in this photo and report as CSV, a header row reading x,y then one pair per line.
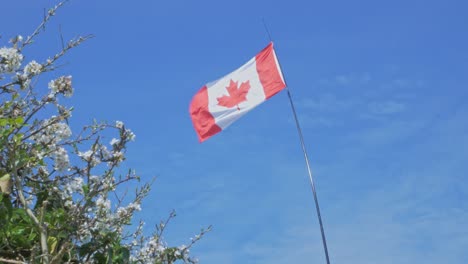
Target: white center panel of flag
x,y
224,116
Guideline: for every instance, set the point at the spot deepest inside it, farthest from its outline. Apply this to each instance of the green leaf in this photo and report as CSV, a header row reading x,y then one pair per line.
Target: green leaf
x,y
86,189
52,243
100,258
5,177
18,121
110,255
18,231
17,138
8,206
41,197
63,234
3,122
86,249
32,236
125,254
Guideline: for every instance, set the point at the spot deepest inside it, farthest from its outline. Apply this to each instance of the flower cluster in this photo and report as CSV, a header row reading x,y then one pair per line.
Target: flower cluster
x,y
10,60
49,137
62,85
33,68
52,132
62,162
89,156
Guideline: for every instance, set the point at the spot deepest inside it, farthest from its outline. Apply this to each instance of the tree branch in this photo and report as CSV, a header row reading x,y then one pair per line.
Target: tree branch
x,y
11,261
30,213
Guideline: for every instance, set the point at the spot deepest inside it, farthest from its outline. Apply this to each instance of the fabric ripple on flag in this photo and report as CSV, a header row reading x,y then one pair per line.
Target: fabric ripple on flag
x,y
218,104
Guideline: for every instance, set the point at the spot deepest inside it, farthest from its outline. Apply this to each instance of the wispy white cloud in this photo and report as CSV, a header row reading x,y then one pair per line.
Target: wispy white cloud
x,y
318,121
386,107
367,98
347,79
327,103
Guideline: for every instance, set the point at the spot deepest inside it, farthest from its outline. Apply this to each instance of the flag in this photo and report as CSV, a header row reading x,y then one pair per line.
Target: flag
x,y
219,103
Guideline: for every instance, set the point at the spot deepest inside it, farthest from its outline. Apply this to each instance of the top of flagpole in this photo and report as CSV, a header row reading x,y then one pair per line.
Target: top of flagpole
x,y
266,29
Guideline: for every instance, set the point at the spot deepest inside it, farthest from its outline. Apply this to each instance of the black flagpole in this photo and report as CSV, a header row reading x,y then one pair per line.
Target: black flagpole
x,y
306,157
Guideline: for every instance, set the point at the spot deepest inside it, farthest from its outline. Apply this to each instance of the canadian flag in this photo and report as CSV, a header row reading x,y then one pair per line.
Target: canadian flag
x,y
219,103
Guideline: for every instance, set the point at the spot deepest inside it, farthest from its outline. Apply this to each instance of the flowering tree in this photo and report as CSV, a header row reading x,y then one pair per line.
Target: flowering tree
x,y
56,186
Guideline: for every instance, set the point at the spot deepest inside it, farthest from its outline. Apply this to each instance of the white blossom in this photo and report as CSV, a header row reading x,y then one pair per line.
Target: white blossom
x,y
62,85
16,39
68,203
150,251
33,68
84,232
114,141
94,179
135,206
107,183
106,154
61,159
85,155
119,124
10,60
23,79
119,156
90,156
127,212
76,185
130,134
103,204
52,133
62,131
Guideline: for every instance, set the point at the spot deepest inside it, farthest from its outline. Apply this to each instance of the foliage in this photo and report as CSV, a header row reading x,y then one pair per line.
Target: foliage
x,y
55,188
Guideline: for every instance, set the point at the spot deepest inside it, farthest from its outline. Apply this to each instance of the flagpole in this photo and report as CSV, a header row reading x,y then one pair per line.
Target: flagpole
x,y
306,157
312,185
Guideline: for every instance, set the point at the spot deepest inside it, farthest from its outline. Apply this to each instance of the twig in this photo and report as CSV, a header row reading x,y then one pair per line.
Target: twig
x,y
163,225
58,257
41,26
61,37
11,261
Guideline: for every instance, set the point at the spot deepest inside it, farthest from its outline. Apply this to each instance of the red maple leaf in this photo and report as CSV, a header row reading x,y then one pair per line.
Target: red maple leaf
x,y
236,95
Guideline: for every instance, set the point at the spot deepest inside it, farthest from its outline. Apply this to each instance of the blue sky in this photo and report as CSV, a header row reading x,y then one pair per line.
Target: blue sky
x,y
380,89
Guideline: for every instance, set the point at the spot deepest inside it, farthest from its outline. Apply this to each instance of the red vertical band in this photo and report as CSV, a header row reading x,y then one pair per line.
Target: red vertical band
x,y
268,71
202,120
